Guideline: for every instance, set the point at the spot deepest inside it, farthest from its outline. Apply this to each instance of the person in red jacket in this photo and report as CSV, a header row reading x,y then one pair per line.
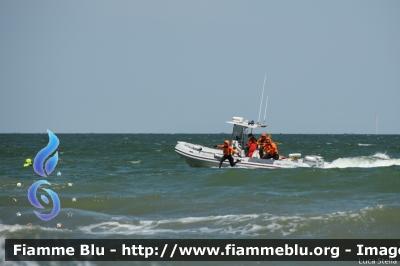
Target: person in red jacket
x,y
227,150
270,149
251,145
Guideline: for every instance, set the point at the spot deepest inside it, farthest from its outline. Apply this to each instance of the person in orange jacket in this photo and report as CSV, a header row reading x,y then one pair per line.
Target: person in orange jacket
x,y
227,150
271,151
251,145
261,141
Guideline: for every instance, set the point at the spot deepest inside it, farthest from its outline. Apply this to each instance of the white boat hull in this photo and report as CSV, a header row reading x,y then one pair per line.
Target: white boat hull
x,y
199,156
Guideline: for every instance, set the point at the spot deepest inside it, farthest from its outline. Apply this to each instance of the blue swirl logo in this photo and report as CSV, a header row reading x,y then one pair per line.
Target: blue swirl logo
x,y
49,167
44,153
32,198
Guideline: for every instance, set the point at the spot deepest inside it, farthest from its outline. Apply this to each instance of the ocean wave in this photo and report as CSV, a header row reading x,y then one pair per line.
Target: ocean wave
x,y
382,156
5,228
376,160
362,144
245,225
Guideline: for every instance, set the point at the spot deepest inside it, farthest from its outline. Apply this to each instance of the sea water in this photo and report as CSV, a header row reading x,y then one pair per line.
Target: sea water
x,y
136,186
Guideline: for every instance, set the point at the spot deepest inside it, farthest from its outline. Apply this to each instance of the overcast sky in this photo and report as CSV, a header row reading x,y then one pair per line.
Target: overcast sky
x,y
190,66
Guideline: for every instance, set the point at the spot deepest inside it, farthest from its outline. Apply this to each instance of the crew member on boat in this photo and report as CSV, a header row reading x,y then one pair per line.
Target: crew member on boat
x,y
251,145
261,141
270,149
227,150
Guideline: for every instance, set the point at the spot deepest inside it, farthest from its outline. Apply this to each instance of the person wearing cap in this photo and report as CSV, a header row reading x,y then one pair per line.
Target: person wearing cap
x,y
251,145
227,150
261,141
270,149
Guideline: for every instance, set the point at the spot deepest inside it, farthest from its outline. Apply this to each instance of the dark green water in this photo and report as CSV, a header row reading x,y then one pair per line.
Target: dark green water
x,y
136,186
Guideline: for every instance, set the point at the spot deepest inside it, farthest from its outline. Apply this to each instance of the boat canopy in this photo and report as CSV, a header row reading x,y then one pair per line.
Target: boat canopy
x,y
245,123
240,129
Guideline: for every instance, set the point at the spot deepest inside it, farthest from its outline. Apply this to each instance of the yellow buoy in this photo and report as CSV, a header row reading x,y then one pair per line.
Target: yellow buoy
x,y
28,162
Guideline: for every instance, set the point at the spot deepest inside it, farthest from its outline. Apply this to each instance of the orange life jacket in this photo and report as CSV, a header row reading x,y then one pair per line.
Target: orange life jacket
x,y
251,141
252,145
252,148
227,150
271,148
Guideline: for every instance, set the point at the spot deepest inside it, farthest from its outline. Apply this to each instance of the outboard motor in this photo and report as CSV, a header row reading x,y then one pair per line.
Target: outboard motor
x,y
237,146
314,161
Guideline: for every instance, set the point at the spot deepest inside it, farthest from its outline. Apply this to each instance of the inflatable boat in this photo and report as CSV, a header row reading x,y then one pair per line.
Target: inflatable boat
x,y
199,156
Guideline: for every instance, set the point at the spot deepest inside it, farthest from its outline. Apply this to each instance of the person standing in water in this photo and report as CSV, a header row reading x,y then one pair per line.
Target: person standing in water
x,y
227,150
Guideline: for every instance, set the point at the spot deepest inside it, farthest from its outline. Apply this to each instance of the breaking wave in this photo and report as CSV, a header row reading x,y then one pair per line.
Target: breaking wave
x,y
4,228
382,156
241,225
376,160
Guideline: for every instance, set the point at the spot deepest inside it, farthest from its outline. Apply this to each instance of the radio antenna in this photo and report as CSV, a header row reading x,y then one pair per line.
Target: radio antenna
x,y
262,96
266,104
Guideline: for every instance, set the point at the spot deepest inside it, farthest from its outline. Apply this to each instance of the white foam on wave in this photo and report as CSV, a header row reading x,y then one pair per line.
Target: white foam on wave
x,y
240,224
17,227
135,161
382,156
362,144
376,160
